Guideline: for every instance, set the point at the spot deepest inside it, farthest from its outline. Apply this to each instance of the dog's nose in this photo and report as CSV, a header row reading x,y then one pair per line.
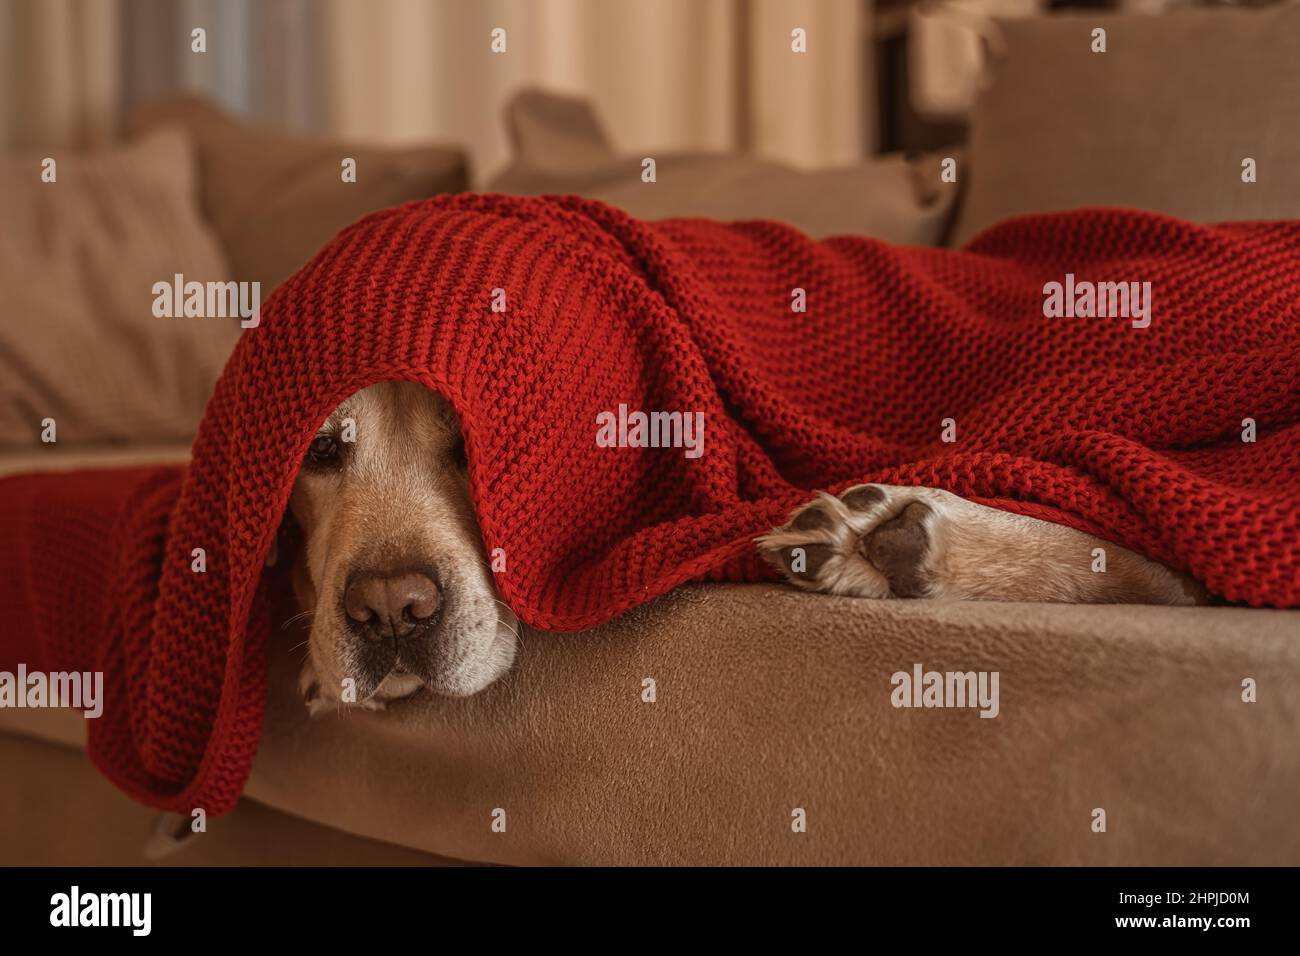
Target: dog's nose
x,y
391,604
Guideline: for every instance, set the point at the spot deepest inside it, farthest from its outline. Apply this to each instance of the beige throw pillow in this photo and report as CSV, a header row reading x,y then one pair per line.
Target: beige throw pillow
x,y
79,341
1162,120
559,147
276,198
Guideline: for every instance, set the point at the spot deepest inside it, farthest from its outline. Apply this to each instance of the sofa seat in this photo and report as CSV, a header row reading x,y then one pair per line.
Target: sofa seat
x,y
767,701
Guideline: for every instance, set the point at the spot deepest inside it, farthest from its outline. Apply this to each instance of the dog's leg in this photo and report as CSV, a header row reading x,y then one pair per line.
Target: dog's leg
x,y
884,541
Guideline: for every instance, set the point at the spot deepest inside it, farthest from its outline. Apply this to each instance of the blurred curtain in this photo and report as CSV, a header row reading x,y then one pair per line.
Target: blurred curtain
x,y
663,74
59,65
815,109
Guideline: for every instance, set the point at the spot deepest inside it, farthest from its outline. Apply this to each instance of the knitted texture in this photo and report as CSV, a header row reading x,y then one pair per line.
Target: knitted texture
x,y
1131,434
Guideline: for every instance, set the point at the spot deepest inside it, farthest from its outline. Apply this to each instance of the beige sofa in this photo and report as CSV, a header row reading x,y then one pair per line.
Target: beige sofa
x,y
772,706
768,701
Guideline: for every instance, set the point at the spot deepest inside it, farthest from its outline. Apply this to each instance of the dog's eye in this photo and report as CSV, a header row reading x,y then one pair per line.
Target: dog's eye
x,y
323,450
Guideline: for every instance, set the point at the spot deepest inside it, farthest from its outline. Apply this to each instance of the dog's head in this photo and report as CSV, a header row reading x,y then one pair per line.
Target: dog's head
x,y
391,564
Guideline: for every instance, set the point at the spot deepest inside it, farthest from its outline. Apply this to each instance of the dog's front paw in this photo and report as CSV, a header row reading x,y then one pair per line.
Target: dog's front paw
x,y
872,541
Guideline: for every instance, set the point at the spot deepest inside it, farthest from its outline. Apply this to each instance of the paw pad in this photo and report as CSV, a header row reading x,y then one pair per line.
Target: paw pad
x,y
898,549
873,541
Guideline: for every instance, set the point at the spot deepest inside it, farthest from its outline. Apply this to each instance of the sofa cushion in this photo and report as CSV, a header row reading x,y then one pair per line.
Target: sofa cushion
x,y
560,147
767,700
79,257
1162,120
56,809
275,198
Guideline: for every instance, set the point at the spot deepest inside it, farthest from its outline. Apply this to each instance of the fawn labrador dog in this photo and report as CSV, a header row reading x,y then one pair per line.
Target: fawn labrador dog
x,y
393,572
391,569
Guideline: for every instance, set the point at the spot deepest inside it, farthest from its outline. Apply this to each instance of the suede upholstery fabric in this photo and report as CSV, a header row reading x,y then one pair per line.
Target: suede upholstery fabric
x,y
1161,121
56,810
768,699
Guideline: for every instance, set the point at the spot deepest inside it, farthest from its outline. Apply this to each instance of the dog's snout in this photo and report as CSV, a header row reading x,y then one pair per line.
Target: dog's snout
x,y
384,605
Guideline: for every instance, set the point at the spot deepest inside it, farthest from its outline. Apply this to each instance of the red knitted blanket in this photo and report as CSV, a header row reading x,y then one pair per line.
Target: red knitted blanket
x,y
535,316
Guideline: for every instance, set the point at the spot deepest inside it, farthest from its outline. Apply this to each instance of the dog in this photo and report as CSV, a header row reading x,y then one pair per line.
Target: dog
x,y
392,570
390,566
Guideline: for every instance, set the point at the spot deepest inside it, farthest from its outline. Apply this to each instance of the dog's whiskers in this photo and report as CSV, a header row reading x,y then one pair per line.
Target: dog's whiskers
x,y
517,632
296,618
